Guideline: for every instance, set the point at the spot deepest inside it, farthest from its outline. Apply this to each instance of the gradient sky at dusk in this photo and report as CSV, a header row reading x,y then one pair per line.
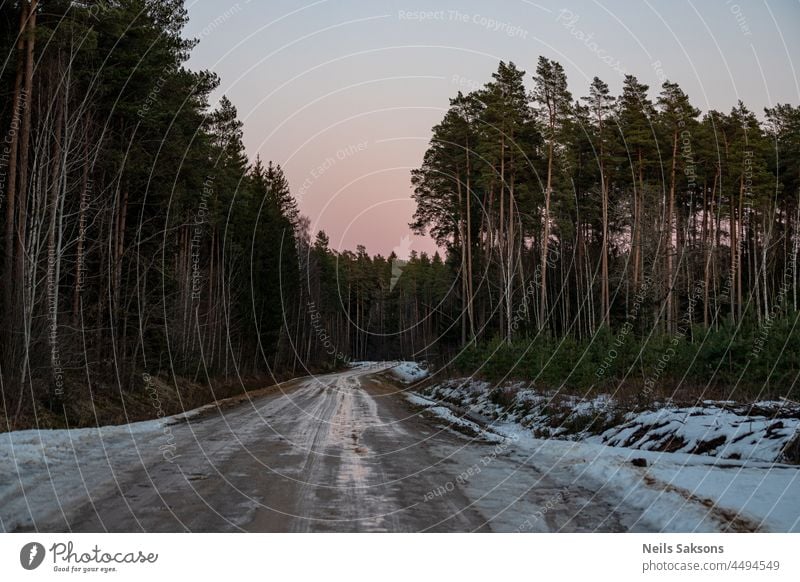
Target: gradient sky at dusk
x,y
344,94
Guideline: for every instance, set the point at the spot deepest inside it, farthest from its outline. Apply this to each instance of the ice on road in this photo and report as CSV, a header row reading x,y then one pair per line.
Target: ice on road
x,y
349,452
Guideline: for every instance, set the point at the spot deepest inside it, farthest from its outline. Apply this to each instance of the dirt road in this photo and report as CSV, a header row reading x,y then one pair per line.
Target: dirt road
x,y
341,452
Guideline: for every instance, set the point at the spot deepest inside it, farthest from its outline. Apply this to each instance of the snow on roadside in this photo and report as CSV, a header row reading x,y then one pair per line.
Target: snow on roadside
x,y
418,400
767,495
463,425
759,432
545,415
409,372
452,420
675,492
74,462
708,468
707,429
689,493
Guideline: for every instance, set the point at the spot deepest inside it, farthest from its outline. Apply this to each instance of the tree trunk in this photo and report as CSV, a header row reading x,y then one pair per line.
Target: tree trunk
x,y
79,253
24,147
670,216
16,103
546,234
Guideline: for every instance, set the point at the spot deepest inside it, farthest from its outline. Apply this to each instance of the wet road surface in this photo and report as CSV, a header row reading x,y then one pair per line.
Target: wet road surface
x,y
340,452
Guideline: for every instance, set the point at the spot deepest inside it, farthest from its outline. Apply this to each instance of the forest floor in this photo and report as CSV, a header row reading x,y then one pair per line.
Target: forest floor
x,y
767,430
150,397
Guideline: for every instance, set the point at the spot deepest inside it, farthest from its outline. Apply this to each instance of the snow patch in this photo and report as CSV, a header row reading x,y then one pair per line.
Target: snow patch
x,y
70,463
758,432
707,430
453,420
409,372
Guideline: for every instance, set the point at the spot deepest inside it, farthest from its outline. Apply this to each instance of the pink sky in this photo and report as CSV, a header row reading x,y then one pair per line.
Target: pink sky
x,y
344,93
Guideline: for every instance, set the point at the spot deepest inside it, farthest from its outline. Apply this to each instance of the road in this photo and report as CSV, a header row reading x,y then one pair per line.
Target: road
x,y
340,452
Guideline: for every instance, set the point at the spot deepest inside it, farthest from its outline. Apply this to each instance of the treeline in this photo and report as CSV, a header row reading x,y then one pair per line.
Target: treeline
x,y
633,213
586,211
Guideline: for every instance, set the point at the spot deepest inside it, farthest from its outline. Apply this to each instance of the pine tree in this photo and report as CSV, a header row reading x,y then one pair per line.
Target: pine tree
x,y
635,117
553,102
601,106
508,137
676,118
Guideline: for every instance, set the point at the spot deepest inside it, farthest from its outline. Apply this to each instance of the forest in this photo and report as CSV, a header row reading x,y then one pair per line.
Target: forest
x,y
585,242
626,242
139,241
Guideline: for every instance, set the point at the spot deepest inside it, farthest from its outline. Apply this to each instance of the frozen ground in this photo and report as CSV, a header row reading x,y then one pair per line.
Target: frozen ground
x,y
348,452
708,430
39,469
409,372
678,491
758,432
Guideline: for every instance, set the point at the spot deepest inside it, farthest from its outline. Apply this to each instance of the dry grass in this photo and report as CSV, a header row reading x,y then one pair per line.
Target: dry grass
x,y
106,404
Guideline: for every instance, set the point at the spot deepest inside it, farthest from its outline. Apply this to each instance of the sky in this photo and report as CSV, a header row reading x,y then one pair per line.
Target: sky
x,y
343,93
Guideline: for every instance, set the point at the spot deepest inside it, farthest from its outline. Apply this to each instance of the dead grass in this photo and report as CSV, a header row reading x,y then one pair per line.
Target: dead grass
x,y
104,403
